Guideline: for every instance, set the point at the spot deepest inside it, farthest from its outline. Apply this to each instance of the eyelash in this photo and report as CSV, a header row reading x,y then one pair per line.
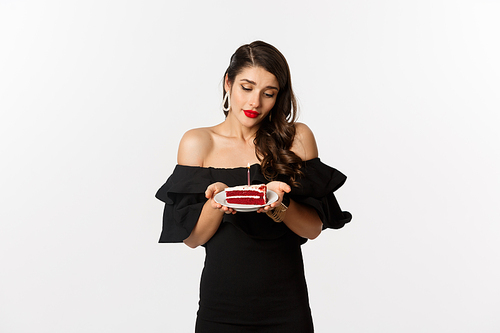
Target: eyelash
x,y
248,89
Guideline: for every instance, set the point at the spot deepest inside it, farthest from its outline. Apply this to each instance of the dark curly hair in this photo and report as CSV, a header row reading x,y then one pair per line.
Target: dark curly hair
x,y
275,136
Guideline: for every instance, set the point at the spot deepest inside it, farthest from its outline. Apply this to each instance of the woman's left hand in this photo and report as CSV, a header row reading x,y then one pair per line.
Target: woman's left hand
x,y
279,188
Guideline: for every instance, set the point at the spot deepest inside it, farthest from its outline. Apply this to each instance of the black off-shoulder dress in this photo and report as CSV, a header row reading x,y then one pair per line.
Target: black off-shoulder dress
x,y
253,278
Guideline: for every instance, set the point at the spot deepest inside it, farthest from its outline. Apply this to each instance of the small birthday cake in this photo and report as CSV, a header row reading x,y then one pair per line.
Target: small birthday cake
x,y
247,195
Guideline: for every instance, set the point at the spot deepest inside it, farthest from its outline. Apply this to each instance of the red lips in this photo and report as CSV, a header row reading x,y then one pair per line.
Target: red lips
x,y
251,113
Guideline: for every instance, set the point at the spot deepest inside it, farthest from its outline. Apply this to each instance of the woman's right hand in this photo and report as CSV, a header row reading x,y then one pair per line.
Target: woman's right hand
x,y
210,193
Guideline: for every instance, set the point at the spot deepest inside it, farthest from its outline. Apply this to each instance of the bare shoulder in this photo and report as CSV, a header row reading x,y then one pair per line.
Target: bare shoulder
x,y
195,146
304,143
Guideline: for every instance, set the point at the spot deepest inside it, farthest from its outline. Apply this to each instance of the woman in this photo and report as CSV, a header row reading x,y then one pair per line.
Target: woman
x,y
253,279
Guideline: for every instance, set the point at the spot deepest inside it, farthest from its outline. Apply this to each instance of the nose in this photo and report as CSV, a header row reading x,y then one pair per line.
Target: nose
x,y
254,100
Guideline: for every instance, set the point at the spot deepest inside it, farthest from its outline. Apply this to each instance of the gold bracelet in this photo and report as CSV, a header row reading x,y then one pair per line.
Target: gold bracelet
x,y
278,213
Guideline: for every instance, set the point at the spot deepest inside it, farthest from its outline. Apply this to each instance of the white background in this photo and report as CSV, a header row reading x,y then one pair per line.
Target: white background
x,y
403,97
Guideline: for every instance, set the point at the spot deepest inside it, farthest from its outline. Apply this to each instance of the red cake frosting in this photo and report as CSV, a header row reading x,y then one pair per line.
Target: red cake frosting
x,y
247,195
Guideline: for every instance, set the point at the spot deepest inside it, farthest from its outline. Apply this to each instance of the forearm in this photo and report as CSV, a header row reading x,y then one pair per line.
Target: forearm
x,y
205,228
303,220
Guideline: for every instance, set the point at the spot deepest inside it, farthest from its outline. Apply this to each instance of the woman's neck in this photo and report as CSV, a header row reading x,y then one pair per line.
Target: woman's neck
x,y
230,127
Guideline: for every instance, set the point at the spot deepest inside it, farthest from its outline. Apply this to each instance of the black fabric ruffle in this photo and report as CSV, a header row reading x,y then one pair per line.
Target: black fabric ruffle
x,y
316,190
184,197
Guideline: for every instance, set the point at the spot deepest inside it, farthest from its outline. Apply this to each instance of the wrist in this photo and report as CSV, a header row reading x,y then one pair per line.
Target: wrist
x,y
279,212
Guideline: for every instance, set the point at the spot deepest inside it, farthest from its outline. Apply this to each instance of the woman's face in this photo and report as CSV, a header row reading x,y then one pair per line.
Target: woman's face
x,y
253,94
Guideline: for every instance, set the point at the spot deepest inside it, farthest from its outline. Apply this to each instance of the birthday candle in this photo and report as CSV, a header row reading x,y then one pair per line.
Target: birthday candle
x,y
248,173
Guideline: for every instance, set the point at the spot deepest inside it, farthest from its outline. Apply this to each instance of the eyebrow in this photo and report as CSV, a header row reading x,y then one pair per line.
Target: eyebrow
x,y
254,83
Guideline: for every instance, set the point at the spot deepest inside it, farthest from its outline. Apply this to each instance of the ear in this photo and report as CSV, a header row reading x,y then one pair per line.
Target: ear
x,y
227,84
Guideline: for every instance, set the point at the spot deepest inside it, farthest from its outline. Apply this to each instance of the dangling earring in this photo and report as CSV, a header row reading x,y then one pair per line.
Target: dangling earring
x,y
227,99
270,116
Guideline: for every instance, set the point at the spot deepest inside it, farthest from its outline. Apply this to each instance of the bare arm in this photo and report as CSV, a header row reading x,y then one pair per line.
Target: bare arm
x,y
210,217
193,148
301,219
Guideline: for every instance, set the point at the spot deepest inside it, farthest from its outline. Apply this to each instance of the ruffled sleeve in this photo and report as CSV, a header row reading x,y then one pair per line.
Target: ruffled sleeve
x,y
184,197
316,190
